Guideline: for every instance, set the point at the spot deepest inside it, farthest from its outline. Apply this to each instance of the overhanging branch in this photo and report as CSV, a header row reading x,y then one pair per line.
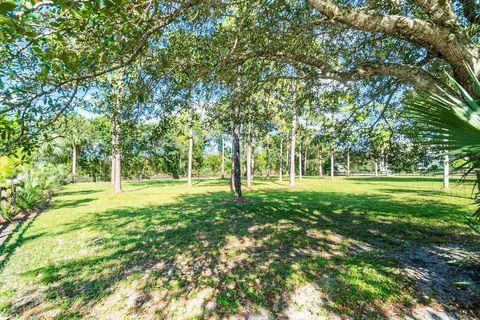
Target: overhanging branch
x,y
405,73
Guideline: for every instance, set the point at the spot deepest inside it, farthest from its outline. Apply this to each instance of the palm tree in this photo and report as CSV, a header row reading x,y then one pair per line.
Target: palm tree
x,y
76,133
450,121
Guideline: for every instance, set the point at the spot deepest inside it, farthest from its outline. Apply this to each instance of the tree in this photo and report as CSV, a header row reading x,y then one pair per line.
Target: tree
x,y
380,141
76,133
237,174
118,96
116,150
51,59
249,155
280,161
190,144
293,135
223,156
52,52
446,171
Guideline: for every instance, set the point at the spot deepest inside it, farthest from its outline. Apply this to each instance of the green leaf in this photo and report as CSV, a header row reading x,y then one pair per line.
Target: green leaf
x,y
7,6
7,22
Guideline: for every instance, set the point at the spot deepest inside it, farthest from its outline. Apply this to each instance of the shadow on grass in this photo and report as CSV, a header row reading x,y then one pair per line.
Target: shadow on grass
x,y
426,193
176,182
236,258
400,179
205,182
79,192
71,203
17,238
156,183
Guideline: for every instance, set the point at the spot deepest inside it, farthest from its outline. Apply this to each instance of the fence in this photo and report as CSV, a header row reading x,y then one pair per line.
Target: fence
x,y
7,195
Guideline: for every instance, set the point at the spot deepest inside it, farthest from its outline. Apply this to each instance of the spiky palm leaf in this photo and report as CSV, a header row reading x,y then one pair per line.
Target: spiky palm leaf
x,y
451,122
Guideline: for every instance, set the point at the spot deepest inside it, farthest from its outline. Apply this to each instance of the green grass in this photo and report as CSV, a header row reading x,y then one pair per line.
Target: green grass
x,y
163,250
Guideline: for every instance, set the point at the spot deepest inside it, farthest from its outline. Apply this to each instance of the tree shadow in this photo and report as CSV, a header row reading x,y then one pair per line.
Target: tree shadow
x,y
79,192
426,193
210,257
58,204
199,182
16,238
399,179
210,182
156,183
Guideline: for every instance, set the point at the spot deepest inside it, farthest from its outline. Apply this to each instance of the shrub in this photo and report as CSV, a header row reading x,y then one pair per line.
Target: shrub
x,y
38,184
31,192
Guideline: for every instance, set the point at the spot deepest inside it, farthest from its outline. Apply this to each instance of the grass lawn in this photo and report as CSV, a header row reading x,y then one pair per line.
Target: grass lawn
x,y
360,247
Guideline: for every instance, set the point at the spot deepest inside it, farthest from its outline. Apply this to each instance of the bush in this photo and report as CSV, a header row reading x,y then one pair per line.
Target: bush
x,y
31,193
38,184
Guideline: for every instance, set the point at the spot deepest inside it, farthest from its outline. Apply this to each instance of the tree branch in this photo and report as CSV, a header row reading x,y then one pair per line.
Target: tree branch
x,y
392,24
451,43
405,73
439,11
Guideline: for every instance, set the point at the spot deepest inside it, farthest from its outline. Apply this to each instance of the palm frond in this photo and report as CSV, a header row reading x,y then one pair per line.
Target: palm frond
x,y
450,122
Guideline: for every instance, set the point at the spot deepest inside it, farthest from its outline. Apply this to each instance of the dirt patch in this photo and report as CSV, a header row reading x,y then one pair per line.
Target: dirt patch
x,y
447,278
308,302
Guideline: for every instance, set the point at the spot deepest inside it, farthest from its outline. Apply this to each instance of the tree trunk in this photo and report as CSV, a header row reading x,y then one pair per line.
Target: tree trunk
x,y
237,178
292,148
385,165
320,166
332,164
305,162
180,166
249,156
112,178
223,157
236,162
118,172
74,163
230,182
253,160
190,146
280,169
376,168
287,156
117,182
348,163
446,172
268,160
142,174
300,161
116,149
382,162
